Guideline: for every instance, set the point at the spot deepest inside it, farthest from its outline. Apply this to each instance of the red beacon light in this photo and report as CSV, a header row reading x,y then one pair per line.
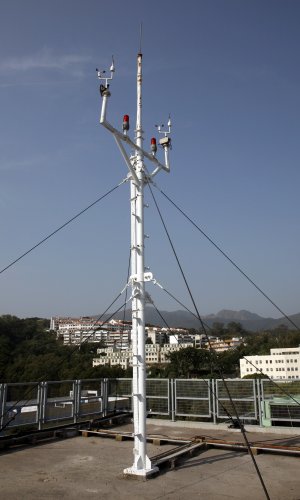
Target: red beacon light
x,y
125,123
153,145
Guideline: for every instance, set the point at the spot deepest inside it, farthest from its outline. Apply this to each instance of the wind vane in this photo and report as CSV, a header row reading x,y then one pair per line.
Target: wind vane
x,y
138,178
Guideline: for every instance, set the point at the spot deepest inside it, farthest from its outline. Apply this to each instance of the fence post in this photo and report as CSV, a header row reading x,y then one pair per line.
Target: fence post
x,y
77,399
213,396
262,392
172,397
258,401
2,404
104,397
44,404
44,390
40,400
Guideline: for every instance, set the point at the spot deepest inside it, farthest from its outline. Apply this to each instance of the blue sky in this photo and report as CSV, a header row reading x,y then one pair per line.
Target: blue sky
x,y
228,72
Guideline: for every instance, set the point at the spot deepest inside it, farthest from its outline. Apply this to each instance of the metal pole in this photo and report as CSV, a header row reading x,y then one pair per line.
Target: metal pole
x,y
134,321
142,465
140,284
138,314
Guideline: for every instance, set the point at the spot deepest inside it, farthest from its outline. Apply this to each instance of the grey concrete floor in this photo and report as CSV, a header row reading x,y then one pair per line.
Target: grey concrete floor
x,y
90,468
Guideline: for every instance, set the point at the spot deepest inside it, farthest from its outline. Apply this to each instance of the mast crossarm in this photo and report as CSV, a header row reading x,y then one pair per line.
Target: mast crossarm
x,y
127,160
121,137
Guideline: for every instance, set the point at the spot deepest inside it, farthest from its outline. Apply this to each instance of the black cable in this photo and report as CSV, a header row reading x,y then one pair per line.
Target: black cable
x,y
69,353
271,380
187,309
211,350
126,292
256,367
62,361
202,378
207,326
191,312
182,305
59,228
228,258
123,324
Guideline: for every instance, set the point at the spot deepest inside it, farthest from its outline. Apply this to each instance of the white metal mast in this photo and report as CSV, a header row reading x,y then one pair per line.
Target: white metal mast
x,y
141,460
141,465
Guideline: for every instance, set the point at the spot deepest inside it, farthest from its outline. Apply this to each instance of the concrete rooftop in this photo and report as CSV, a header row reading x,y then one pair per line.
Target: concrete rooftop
x,y
90,468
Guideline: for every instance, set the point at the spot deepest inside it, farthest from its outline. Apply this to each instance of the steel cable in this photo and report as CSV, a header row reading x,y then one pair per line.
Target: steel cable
x,y
228,258
203,379
211,350
209,328
15,405
60,228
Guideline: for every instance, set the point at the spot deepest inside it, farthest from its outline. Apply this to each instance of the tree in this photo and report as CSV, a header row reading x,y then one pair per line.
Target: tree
x,y
28,352
189,362
235,328
218,329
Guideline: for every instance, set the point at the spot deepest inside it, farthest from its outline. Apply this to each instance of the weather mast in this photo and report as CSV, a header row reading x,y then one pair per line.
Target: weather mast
x,y
138,176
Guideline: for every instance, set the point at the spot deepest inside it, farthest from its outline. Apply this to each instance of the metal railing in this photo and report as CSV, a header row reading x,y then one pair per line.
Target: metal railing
x,y
41,405
243,396
277,405
47,404
193,398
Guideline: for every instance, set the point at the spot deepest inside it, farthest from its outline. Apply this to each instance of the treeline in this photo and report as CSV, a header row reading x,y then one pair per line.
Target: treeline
x,y
192,362
28,352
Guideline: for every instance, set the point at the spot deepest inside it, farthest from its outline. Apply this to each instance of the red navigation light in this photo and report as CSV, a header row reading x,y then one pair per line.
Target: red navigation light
x,y
153,145
125,122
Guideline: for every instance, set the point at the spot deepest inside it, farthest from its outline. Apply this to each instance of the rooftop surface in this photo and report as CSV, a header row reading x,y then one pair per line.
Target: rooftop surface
x,y
90,468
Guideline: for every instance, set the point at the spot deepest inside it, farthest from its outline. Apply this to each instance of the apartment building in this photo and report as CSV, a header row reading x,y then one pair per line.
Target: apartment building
x,y
154,354
86,329
281,363
221,345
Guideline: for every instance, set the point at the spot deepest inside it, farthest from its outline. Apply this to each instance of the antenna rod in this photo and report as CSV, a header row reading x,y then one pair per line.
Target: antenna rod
x,y
141,37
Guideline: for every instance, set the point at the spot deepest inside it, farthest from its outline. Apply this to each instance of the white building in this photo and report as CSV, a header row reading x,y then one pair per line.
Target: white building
x,y
281,363
156,335
221,345
87,329
154,354
119,339
181,339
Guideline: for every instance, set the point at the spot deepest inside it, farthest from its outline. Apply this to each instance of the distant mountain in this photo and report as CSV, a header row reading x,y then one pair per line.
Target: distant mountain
x,y
184,319
228,315
283,321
